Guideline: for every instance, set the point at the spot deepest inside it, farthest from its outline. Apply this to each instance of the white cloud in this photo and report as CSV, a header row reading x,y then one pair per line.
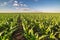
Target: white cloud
x,y
15,4
20,4
15,1
24,9
25,5
3,4
17,8
7,3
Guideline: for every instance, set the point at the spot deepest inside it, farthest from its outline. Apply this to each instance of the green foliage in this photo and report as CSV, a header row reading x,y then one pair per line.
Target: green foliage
x,y
7,26
35,26
41,27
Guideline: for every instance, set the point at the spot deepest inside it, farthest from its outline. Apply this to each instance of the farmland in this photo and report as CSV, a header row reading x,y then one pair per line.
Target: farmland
x,y
29,26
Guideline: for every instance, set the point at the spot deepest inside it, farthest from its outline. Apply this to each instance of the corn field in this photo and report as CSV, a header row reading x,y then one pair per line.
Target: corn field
x,y
30,26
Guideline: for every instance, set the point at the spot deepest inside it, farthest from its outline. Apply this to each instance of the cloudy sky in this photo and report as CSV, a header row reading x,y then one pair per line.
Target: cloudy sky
x,y
30,5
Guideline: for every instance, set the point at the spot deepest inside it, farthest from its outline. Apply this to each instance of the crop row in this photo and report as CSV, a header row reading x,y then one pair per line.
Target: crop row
x,y
32,27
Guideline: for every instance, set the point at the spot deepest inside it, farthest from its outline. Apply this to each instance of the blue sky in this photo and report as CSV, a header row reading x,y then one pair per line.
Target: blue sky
x,y
30,5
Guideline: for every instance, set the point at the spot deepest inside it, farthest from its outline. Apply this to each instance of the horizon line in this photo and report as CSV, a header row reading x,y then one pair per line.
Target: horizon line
x,y
29,12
